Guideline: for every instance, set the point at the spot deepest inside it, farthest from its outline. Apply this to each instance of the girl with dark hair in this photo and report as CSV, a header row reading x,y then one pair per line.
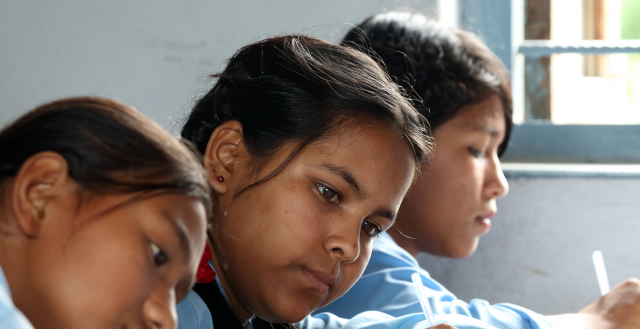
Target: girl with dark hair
x,y
310,149
463,90
102,218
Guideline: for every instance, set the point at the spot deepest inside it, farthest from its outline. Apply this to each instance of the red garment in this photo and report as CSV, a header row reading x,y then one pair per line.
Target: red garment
x,y
205,273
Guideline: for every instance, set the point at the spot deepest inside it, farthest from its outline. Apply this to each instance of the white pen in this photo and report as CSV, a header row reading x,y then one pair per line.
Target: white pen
x,y
601,272
424,301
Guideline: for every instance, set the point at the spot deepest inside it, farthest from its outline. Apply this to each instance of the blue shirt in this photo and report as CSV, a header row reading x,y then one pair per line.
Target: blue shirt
x,y
379,320
194,314
10,316
386,286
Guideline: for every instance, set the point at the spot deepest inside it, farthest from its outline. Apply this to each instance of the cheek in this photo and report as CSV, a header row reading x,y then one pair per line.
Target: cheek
x,y
279,222
456,183
446,197
105,274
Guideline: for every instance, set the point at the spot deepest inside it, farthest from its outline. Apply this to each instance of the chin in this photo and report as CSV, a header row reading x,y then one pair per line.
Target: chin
x,y
470,250
462,254
288,314
463,250
286,318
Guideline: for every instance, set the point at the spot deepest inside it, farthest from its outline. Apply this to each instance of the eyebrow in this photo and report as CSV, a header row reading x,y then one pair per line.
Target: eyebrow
x,y
357,189
344,173
181,232
486,128
388,214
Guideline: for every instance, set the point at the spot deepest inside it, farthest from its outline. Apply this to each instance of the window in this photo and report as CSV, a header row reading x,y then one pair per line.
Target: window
x,y
582,88
576,76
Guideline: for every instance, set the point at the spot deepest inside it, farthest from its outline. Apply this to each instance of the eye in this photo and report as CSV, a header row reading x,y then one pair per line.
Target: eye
x,y
327,193
159,256
476,153
371,229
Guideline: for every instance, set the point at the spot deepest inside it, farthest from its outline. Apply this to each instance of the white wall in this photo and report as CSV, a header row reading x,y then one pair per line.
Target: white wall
x,y
156,56
538,253
153,55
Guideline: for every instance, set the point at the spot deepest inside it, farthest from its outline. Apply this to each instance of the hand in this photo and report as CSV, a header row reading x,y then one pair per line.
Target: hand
x,y
620,308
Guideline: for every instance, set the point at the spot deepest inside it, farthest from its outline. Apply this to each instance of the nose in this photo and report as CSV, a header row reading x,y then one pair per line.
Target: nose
x,y
344,242
496,184
160,311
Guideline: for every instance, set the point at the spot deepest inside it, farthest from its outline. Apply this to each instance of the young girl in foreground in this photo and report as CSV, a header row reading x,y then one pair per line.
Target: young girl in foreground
x,y
467,100
310,149
102,218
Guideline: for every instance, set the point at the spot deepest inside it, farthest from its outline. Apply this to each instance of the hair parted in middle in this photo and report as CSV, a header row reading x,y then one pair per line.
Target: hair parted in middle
x,y
110,148
291,91
299,89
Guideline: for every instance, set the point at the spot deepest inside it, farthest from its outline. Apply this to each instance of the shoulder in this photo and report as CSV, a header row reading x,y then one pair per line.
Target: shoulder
x,y
388,254
193,313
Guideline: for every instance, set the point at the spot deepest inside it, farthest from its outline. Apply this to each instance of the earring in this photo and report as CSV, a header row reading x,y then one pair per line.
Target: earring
x,y
220,179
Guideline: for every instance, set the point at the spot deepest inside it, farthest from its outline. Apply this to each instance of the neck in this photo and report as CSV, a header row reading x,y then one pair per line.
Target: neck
x,y
14,260
241,312
404,242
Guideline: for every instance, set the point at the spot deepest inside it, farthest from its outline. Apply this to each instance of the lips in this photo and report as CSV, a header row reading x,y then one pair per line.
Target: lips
x,y
485,220
320,281
486,216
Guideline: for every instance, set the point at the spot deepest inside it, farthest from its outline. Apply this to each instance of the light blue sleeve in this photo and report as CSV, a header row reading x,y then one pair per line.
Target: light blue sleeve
x,y
10,316
378,320
193,313
386,286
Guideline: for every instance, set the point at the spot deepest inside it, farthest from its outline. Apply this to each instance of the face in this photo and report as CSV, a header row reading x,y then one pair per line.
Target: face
x,y
301,239
124,265
452,202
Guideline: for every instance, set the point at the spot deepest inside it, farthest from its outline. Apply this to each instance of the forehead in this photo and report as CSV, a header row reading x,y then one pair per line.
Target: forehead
x,y
182,212
366,142
485,115
373,153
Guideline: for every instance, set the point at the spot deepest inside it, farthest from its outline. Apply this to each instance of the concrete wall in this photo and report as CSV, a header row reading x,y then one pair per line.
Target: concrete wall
x,y
538,253
152,55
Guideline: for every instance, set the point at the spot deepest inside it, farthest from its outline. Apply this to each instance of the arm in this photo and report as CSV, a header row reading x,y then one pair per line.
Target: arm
x,y
378,320
619,309
386,286
391,291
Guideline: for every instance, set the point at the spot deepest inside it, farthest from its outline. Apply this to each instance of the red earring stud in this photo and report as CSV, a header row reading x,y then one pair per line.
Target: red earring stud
x,y
220,179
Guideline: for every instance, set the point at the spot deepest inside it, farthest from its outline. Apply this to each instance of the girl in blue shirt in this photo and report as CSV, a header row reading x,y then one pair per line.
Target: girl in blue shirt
x,y
463,89
310,149
102,218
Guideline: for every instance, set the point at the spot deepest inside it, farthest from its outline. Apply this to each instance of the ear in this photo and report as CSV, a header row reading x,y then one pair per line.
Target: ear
x,y
41,179
224,148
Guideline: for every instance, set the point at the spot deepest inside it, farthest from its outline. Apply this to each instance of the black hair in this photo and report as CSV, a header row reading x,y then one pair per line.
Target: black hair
x,y
299,89
110,148
446,68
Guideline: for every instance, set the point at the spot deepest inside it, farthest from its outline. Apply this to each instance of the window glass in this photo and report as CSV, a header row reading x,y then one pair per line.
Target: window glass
x,y
574,88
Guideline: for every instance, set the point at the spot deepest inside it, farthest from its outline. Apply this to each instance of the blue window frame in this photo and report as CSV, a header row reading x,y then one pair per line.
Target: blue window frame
x,y
501,25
